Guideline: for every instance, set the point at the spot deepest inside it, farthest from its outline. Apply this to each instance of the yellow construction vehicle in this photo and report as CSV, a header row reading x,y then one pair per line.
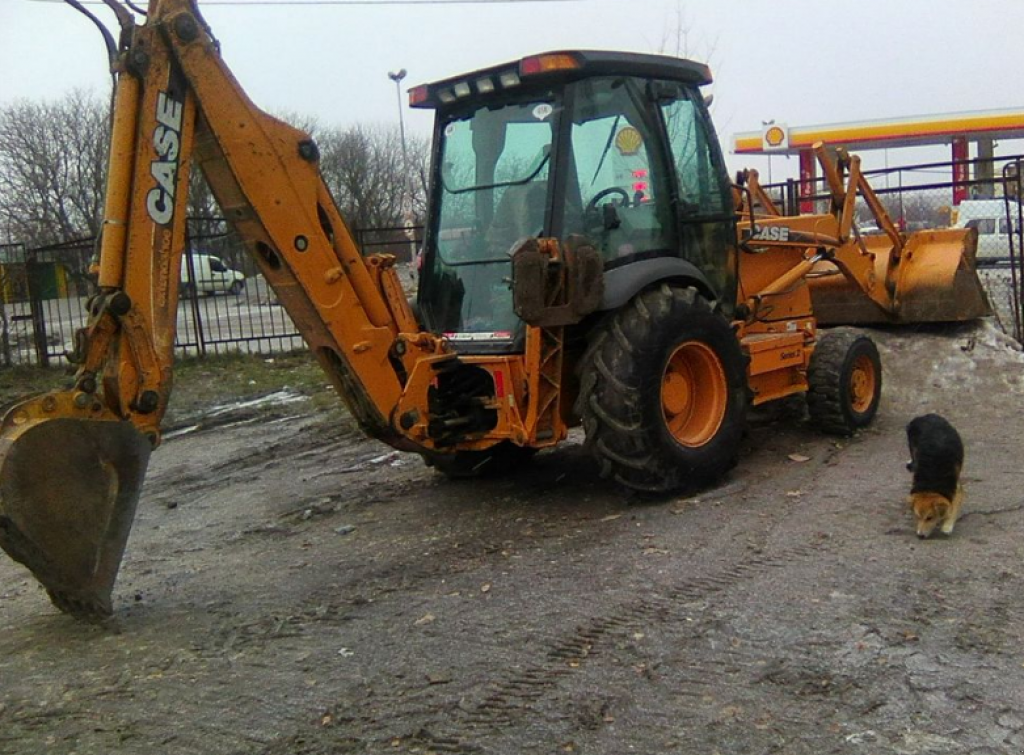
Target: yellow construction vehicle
x,y
587,261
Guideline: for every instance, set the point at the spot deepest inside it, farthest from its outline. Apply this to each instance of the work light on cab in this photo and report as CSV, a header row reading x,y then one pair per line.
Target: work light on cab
x,y
509,79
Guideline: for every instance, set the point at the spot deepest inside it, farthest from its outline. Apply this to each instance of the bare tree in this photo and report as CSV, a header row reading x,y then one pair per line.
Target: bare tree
x,y
53,165
678,40
364,168
419,170
52,168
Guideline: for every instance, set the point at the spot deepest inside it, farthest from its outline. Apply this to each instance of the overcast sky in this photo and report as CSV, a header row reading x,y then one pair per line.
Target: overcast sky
x,y
801,62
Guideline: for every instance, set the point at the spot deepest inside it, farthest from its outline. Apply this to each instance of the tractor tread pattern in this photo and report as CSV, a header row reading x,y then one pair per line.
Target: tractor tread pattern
x,y
827,393
627,445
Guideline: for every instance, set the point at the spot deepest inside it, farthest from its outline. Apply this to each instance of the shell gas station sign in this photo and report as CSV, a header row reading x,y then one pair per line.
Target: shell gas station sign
x,y
774,136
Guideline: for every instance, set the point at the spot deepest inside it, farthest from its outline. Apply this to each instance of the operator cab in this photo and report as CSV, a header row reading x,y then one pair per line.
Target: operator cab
x,y
617,148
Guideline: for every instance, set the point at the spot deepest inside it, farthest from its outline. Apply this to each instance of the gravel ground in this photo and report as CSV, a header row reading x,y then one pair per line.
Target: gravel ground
x,y
291,588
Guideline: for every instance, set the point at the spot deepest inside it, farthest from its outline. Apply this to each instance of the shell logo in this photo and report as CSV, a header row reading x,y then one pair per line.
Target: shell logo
x,y
628,141
775,137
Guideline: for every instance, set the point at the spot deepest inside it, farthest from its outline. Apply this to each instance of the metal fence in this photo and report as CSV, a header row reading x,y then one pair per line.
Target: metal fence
x,y
225,304
980,194
43,290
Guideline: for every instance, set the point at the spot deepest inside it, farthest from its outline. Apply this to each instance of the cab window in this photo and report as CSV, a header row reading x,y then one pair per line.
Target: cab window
x,y
492,191
700,189
618,185
494,173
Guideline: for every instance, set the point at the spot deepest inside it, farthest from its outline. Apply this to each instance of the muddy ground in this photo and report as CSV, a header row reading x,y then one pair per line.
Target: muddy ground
x,y
291,588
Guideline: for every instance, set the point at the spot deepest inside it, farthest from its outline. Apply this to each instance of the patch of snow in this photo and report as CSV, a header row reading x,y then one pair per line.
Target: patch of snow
x,y
285,396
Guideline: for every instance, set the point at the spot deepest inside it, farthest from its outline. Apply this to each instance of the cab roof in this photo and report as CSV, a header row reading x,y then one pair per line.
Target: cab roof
x,y
562,65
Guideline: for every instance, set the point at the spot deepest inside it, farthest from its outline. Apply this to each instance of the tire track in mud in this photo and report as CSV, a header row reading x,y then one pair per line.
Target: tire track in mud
x,y
514,698
440,725
567,655
364,584
340,444
559,656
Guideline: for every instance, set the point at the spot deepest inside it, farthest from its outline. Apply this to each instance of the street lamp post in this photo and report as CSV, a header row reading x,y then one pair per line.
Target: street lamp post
x,y
397,76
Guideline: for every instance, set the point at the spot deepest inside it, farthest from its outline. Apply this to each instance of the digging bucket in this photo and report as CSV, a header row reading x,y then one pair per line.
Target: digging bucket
x,y
936,282
70,478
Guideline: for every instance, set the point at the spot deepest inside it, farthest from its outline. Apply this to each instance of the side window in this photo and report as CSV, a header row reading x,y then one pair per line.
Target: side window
x,y
618,186
700,189
985,226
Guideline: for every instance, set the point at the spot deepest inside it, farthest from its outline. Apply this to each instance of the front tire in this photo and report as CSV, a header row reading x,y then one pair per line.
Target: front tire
x,y
845,382
663,392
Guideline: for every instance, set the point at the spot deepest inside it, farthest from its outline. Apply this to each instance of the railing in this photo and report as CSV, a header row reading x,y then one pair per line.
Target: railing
x,y
44,290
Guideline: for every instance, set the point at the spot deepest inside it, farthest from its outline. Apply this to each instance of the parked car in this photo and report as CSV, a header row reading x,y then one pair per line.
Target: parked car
x,y
210,276
989,217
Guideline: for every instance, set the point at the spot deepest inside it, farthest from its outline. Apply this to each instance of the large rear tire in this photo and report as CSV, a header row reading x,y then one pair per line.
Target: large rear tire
x,y
663,392
845,379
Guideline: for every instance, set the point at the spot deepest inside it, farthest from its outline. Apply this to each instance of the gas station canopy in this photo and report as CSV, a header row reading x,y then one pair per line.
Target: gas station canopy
x,y
955,129
896,132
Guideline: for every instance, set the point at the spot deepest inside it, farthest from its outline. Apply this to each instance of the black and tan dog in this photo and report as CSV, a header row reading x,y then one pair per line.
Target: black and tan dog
x,y
936,458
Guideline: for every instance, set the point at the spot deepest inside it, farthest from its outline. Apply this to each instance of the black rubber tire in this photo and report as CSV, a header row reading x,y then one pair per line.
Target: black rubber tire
x,y
831,375
620,399
236,288
499,459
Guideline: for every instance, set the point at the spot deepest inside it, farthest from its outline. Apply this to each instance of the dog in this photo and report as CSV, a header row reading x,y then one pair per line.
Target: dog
x,y
936,458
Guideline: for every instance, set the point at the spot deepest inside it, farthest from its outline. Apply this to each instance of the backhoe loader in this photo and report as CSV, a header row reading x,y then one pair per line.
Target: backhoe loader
x,y
587,261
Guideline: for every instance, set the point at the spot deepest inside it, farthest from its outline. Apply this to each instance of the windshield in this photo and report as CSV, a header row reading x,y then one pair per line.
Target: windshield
x,y
492,191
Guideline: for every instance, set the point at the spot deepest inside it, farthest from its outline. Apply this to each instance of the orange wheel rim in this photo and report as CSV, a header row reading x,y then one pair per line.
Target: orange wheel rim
x,y
694,394
863,382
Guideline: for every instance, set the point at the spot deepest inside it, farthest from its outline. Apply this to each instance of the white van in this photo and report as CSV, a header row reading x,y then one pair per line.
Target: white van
x,y
989,217
211,276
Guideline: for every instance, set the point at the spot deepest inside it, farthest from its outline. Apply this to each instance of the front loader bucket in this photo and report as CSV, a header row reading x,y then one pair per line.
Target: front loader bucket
x,y
68,490
936,282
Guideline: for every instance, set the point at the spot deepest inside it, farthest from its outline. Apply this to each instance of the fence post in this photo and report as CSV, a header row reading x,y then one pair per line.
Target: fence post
x,y
193,289
791,206
5,333
1015,235
35,302
5,328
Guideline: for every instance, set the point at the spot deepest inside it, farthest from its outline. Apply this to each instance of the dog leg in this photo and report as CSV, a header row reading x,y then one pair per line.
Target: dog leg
x,y
954,511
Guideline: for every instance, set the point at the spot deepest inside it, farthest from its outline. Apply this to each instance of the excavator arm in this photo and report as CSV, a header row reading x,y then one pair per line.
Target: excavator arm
x,y
72,462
